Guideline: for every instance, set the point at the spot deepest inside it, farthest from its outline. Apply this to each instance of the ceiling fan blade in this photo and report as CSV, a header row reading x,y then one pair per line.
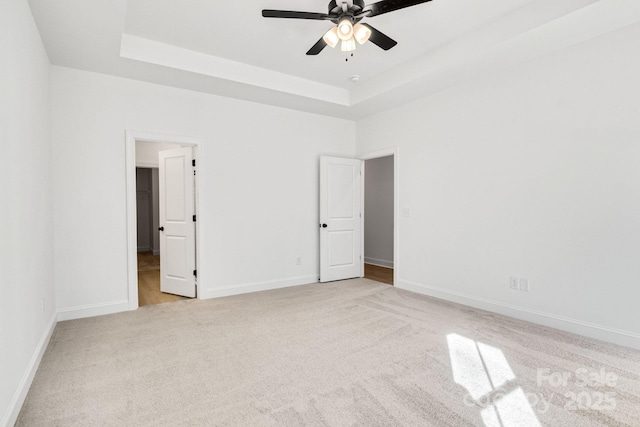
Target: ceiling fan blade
x,y
379,39
317,48
386,6
269,13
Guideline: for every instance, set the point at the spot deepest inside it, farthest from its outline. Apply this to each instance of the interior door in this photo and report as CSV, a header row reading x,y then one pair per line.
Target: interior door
x,y
177,222
340,219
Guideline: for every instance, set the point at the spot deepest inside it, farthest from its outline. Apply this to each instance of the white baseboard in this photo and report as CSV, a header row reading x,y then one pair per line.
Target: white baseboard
x,y
591,330
259,286
80,312
378,262
13,410
144,249
156,252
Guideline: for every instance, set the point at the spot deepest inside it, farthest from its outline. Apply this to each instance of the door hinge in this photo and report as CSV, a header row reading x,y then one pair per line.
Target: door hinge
x,y
193,162
195,273
194,218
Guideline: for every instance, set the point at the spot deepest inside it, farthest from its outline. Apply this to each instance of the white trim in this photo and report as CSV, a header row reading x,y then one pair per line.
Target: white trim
x,y
15,404
379,262
591,330
260,286
166,55
363,176
132,261
91,310
385,152
131,136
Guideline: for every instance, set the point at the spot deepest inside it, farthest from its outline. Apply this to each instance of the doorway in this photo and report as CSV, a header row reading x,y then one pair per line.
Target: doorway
x,y
378,219
342,217
148,235
381,226
154,182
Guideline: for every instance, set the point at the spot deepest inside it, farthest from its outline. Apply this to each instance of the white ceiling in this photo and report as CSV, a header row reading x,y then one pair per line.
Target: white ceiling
x,y
227,48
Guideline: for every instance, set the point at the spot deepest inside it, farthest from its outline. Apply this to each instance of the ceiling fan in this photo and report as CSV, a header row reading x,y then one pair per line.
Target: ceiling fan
x,y
347,18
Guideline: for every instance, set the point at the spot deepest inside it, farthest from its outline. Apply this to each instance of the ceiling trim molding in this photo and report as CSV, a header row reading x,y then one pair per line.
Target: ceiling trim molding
x,y
153,52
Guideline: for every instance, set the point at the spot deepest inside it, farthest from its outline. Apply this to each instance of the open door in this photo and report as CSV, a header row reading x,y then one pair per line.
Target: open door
x,y
340,219
177,222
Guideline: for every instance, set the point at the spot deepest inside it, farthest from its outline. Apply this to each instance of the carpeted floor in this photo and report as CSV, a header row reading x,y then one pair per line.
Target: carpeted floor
x,y
339,354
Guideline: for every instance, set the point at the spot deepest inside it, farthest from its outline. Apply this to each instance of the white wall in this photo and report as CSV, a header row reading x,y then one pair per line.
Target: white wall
x,y
378,211
532,172
257,175
26,215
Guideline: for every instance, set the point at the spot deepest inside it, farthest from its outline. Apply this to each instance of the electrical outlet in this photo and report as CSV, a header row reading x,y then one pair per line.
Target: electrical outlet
x,y
524,284
299,261
513,283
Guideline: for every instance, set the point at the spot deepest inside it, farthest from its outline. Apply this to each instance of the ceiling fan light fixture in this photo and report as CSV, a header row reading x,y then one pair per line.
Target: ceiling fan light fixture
x,y
348,45
345,29
346,17
361,33
331,37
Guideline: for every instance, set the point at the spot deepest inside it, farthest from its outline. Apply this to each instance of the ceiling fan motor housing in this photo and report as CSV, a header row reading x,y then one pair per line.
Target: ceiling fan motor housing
x,y
335,9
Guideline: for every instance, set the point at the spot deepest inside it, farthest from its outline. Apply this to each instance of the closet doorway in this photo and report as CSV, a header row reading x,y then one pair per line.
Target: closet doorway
x,y
379,219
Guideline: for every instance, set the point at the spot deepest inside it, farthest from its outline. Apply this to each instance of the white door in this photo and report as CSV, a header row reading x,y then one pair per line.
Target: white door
x,y
177,223
340,219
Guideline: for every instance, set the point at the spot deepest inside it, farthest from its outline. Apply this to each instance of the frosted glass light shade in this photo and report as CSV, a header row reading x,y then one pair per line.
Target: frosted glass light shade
x,y
331,37
345,29
348,45
361,33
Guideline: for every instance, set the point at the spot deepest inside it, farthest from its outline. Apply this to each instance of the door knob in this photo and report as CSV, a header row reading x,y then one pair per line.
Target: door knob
x,y
323,225
160,228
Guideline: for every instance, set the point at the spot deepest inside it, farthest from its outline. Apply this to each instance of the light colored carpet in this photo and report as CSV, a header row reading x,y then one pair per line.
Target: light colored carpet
x,y
339,354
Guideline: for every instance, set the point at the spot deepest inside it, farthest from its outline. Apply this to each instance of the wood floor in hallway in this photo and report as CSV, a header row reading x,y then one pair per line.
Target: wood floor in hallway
x,y
149,281
378,273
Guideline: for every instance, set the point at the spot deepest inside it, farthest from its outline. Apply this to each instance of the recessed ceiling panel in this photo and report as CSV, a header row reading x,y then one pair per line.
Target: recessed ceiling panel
x,y
236,30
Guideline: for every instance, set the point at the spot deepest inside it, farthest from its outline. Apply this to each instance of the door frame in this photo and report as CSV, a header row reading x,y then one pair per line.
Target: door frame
x,y
131,137
386,152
